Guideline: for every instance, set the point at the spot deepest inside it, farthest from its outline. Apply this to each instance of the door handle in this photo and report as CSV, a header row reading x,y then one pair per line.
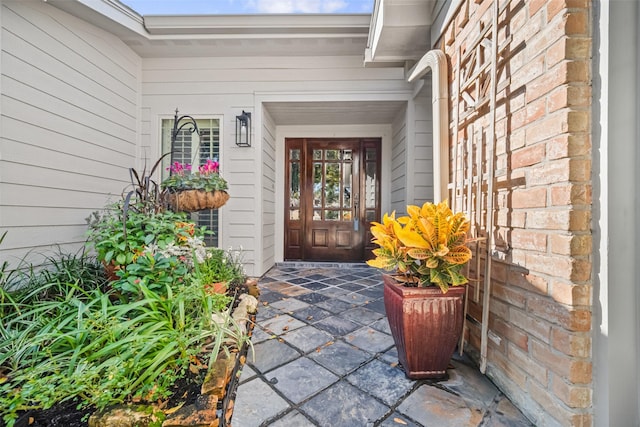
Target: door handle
x,y
356,218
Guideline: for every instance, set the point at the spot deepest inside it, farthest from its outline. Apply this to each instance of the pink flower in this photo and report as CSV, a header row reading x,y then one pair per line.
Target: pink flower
x,y
178,168
210,167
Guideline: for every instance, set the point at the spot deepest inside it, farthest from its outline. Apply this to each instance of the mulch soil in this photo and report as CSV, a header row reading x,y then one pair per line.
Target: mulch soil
x,y
68,414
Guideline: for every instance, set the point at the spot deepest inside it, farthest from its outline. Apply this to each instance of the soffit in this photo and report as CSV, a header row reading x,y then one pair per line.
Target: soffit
x,y
334,113
399,31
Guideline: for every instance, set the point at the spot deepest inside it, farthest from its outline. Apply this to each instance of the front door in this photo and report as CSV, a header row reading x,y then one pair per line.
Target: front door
x,y
332,195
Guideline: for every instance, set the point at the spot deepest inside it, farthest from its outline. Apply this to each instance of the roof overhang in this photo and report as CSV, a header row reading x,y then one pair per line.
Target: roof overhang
x,y
399,31
225,35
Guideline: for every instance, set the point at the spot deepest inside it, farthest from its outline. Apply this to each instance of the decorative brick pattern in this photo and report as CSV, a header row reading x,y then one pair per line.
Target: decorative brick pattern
x,y
539,345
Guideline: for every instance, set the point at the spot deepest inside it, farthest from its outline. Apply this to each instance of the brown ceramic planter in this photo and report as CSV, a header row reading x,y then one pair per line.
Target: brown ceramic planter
x,y
426,325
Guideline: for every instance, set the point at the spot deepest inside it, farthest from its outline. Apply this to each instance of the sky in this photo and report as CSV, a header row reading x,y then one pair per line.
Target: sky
x,y
205,7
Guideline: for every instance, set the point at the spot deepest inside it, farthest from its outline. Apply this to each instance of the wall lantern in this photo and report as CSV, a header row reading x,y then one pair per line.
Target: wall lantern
x,y
243,130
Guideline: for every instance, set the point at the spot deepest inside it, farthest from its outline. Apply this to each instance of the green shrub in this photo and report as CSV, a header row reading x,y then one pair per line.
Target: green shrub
x,y
220,266
61,338
155,272
119,239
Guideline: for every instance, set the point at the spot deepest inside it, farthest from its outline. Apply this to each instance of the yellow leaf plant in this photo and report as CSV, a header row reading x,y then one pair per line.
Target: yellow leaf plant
x,y
425,248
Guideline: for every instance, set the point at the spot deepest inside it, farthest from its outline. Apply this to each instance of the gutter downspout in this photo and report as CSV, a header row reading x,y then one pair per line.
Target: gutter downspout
x,y
436,61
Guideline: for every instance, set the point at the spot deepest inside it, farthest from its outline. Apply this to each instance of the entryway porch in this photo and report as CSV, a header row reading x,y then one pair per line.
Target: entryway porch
x,y
324,356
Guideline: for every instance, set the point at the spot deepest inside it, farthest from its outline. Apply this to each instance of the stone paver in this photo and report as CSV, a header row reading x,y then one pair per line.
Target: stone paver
x,y
281,323
505,414
354,299
260,403
337,325
383,381
259,335
301,379
340,358
293,419
343,405
247,374
362,315
476,390
432,406
398,420
311,314
335,305
272,353
307,338
289,305
377,306
381,325
370,340
324,356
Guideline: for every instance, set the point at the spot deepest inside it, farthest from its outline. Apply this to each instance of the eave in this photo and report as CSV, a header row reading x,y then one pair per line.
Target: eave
x,y
399,31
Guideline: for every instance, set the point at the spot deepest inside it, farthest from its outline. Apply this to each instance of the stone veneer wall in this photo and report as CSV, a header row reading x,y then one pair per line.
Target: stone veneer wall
x,y
539,350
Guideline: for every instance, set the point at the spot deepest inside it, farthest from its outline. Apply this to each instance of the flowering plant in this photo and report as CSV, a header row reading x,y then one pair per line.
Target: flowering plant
x,y
206,178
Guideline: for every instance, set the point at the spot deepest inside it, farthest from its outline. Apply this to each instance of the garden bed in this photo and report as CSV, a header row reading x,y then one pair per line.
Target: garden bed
x,y
204,396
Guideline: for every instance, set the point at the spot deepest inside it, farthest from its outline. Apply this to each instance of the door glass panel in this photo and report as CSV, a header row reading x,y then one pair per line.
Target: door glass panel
x,y
331,215
294,185
371,216
332,154
332,185
370,185
317,185
294,190
347,183
370,154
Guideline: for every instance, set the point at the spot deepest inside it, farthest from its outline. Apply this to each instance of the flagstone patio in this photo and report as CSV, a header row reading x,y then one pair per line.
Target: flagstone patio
x,y
324,356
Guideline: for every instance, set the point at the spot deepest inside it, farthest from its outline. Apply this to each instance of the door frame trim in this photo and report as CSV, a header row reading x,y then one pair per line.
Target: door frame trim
x,y
382,131
304,250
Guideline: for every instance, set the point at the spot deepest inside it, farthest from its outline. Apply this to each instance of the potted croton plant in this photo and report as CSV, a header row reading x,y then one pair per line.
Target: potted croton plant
x,y
424,296
191,191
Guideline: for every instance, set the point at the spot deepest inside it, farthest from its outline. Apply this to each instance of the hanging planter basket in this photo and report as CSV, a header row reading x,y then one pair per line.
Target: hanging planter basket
x,y
197,200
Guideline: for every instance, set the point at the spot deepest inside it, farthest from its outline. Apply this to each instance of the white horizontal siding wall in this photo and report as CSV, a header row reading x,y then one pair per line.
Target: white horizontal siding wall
x,y
399,159
423,146
268,190
69,94
226,86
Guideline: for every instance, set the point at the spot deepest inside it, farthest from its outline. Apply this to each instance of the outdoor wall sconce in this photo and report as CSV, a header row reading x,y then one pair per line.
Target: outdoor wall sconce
x,y
243,129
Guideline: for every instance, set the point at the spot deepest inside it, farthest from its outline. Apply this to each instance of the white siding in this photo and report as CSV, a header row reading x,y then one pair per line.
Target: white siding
x,y
423,146
399,163
226,86
69,124
268,216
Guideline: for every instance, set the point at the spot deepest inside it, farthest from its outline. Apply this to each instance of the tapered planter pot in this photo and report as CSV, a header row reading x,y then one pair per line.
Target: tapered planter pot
x,y
426,325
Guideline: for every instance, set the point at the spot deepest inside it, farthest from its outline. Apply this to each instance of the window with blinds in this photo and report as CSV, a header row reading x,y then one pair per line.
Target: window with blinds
x,y
195,149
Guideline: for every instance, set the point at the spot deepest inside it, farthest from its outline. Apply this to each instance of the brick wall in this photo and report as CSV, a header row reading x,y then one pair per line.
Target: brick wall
x,y
539,350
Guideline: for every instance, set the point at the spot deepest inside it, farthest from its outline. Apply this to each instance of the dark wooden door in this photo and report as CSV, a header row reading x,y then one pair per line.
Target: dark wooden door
x,y
332,195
